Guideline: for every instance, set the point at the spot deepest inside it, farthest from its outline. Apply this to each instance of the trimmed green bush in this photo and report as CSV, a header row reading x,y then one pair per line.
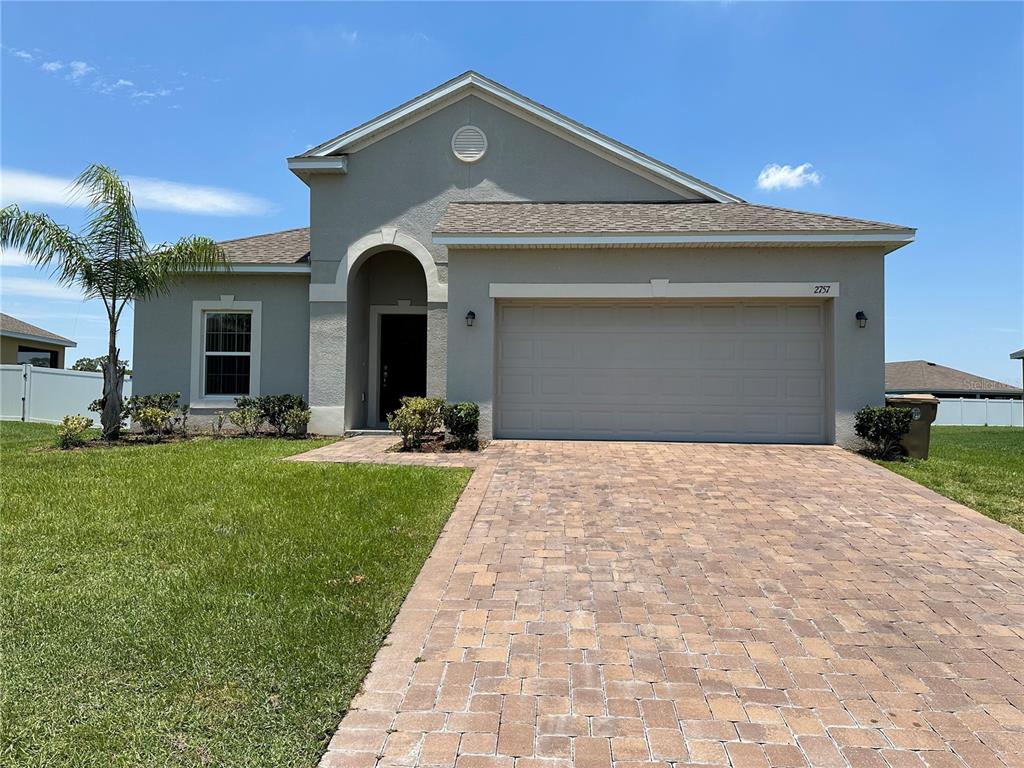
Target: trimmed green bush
x,y
296,420
273,408
417,418
71,431
247,418
153,420
462,421
882,429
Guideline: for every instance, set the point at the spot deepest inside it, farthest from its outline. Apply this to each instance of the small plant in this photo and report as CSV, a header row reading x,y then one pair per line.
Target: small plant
x,y
273,408
218,423
882,429
248,419
415,419
296,420
184,413
153,420
462,420
71,431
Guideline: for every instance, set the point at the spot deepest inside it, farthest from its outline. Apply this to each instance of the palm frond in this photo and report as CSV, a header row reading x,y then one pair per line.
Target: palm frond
x,y
169,261
47,244
113,230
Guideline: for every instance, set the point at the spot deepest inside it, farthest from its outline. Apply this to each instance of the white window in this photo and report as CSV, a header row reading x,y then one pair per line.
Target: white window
x,y
225,351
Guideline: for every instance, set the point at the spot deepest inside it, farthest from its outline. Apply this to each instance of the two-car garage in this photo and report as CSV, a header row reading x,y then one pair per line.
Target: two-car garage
x,y
707,370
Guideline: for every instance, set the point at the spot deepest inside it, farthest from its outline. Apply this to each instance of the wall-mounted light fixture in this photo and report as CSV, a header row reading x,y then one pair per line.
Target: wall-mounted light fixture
x,y
470,317
862,319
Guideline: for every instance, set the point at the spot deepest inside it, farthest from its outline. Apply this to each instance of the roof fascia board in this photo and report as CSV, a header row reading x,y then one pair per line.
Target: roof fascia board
x,y
804,238
544,118
280,269
38,339
333,164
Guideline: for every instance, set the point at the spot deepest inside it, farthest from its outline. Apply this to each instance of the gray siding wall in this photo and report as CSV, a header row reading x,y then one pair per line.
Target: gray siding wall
x,y
162,358
405,181
858,354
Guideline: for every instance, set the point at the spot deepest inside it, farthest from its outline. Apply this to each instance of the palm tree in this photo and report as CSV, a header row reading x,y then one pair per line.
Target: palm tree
x,y
109,260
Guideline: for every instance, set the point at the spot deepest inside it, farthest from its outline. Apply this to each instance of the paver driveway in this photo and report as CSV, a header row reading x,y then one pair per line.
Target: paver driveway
x,y
627,604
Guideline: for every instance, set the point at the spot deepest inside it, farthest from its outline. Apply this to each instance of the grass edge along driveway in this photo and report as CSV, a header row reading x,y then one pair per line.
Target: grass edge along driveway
x,y
200,603
980,467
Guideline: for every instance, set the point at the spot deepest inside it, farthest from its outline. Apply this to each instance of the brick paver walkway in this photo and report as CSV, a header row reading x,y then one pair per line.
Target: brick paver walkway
x,y
637,604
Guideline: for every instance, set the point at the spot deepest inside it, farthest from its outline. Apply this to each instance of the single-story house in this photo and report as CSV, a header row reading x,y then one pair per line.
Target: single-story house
x,y
476,245
22,342
923,377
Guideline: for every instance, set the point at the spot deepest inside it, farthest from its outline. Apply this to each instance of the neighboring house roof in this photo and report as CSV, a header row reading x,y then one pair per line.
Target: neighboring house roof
x,y
19,329
924,377
652,223
1018,355
288,247
474,84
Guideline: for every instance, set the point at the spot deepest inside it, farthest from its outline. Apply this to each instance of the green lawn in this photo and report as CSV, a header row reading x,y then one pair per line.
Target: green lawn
x,y
981,467
200,603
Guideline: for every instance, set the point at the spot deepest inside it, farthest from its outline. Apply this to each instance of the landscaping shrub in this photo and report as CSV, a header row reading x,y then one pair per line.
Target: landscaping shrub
x,y
132,406
296,420
71,431
153,420
247,418
218,423
462,420
882,429
273,408
415,419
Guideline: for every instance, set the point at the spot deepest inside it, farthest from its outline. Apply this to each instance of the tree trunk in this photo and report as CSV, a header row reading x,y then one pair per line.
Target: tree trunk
x,y
113,379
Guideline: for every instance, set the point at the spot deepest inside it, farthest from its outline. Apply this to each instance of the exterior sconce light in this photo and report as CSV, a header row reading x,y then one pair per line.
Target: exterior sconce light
x,y
862,319
470,317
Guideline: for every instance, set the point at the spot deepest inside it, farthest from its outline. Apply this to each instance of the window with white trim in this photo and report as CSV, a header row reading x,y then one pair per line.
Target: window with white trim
x,y
227,353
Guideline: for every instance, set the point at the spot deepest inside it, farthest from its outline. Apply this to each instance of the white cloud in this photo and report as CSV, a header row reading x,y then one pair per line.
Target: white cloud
x,y
12,258
774,176
24,55
51,66
38,288
24,187
79,69
122,83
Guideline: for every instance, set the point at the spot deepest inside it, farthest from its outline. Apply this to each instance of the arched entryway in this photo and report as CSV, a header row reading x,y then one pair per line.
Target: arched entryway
x,y
386,340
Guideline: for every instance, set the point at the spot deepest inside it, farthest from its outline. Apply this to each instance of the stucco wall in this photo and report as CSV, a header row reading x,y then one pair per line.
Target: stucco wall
x,y
162,355
405,182
859,354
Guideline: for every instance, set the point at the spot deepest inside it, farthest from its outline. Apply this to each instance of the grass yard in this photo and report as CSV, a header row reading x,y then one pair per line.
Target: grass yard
x,y
200,603
981,467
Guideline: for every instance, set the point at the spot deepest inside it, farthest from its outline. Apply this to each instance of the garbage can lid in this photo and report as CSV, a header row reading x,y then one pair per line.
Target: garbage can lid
x,y
913,398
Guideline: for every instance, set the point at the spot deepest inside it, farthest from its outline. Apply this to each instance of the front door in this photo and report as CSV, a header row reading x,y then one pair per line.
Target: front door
x,y
403,360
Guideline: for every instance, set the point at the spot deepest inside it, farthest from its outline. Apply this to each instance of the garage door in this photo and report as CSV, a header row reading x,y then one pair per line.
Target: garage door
x,y
745,371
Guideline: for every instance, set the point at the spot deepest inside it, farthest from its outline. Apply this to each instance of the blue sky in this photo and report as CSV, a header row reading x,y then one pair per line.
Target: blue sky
x,y
909,113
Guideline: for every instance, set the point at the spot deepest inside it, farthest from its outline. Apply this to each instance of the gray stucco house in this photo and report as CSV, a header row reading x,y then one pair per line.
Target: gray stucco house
x,y
476,245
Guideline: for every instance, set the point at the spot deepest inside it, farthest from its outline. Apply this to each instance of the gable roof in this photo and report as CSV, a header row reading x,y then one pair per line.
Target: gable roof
x,y
473,83
19,329
1018,355
290,246
921,376
653,224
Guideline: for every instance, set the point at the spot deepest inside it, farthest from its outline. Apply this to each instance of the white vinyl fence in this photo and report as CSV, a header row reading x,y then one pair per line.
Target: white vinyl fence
x,y
28,393
963,411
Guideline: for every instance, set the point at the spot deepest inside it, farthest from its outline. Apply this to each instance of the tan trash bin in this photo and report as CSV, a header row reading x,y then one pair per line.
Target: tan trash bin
x,y
923,409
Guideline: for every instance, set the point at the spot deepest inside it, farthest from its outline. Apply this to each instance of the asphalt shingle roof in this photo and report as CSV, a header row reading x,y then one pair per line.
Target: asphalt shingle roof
x,y
645,218
921,376
9,324
288,247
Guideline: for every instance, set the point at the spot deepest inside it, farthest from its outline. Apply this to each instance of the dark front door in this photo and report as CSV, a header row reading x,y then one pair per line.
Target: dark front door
x,y
403,360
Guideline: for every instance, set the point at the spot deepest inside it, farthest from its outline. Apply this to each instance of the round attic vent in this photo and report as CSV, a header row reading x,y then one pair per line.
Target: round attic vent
x,y
469,143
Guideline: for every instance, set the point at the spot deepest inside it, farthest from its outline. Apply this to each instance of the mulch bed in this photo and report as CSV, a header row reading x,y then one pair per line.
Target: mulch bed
x,y
438,444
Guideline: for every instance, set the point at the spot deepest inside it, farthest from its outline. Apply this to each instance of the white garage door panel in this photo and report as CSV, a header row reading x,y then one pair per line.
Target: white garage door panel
x,y
743,371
